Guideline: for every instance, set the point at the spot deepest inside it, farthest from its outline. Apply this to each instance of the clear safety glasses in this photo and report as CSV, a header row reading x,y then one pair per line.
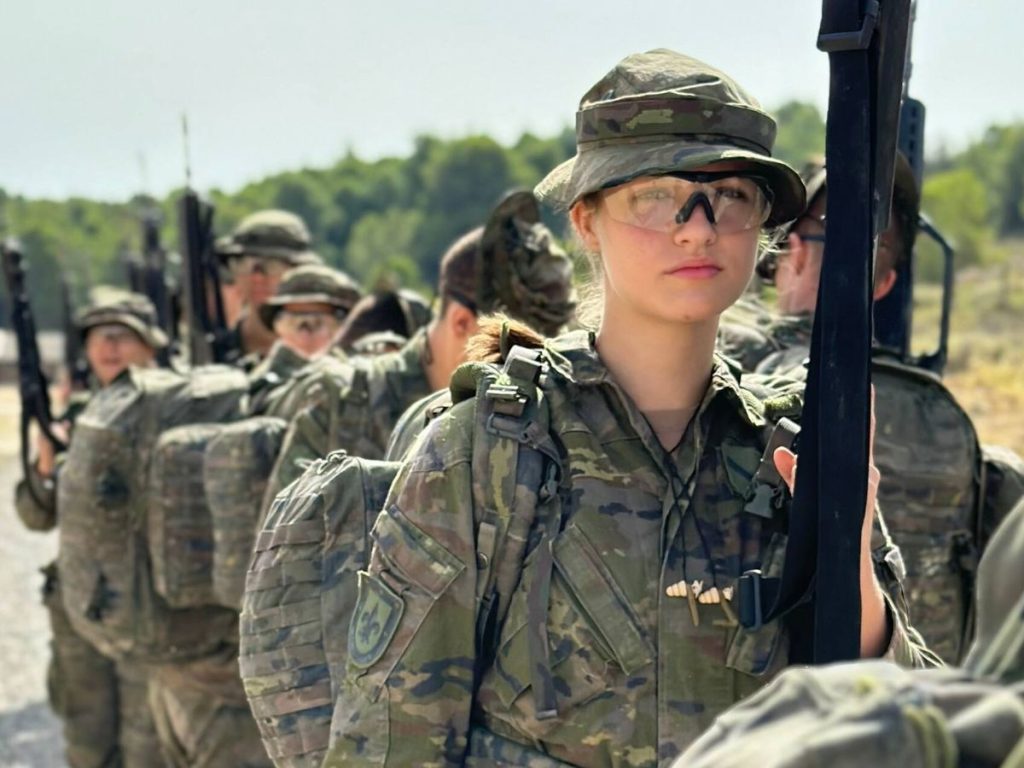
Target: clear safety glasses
x,y
730,202
307,322
246,265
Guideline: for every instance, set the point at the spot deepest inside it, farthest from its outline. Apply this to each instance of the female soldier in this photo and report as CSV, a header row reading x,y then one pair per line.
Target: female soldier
x,y
604,656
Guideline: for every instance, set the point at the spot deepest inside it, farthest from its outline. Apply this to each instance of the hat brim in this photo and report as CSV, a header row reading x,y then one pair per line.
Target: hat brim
x,y
294,258
150,335
607,165
269,309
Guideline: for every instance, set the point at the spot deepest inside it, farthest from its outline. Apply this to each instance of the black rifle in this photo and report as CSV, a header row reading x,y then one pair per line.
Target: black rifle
x,y
819,591
894,313
208,335
155,283
32,383
74,360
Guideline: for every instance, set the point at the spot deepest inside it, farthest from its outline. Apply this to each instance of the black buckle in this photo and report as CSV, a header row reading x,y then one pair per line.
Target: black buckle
x,y
857,40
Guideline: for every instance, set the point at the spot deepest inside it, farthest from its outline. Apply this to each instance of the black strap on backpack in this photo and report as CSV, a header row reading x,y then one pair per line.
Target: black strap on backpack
x,y
820,585
513,436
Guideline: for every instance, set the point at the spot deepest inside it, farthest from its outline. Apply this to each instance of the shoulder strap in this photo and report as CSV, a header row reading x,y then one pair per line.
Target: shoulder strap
x,y
515,455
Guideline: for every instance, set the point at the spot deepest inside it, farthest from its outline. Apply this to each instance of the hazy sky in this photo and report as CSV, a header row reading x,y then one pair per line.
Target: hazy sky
x,y
86,86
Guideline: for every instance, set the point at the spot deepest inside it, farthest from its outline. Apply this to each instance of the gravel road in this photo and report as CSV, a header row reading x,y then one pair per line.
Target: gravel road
x,y
29,733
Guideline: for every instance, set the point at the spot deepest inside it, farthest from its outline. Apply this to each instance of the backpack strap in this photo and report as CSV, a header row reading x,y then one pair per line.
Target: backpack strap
x,y
515,455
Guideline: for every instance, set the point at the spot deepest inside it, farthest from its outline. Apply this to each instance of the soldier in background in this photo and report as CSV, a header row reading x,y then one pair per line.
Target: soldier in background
x,y
305,314
941,491
102,704
512,264
383,322
263,246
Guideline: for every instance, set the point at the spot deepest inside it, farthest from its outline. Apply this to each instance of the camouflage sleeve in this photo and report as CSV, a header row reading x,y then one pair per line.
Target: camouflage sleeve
x,y
906,646
305,441
37,514
407,694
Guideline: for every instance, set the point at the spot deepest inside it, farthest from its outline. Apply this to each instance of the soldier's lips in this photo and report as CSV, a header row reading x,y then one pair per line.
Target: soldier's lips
x,y
702,270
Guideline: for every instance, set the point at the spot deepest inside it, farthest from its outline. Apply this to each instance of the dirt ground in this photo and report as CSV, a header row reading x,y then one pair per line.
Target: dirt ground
x,y
29,733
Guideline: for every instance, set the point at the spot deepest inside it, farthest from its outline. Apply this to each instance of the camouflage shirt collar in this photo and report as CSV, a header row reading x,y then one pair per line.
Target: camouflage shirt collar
x,y
793,328
573,356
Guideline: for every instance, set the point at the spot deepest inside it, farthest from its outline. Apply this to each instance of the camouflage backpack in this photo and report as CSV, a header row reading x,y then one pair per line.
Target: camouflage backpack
x,y
297,617
114,591
236,468
928,454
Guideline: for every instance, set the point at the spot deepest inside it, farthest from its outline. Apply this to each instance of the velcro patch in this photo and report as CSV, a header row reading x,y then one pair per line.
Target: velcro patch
x,y
374,621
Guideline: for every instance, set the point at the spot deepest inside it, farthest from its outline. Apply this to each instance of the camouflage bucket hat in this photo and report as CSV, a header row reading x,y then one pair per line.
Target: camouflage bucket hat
x,y
312,284
661,112
523,271
273,234
112,306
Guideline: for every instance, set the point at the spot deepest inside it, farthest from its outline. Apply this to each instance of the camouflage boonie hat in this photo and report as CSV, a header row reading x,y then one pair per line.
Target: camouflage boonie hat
x,y
906,199
312,283
113,306
523,271
274,234
512,265
661,112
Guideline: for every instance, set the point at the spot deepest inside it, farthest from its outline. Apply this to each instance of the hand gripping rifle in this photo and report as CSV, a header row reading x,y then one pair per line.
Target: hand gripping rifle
x,y
819,590
32,383
208,336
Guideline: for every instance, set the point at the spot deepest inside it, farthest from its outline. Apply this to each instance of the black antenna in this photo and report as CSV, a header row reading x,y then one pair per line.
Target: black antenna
x,y
188,156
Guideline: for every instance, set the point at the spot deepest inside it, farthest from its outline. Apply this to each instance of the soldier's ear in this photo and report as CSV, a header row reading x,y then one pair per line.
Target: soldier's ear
x,y
884,283
582,215
461,320
797,253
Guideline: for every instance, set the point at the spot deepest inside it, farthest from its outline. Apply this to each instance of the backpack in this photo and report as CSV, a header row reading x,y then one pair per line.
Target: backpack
x,y
928,453
302,584
236,468
118,592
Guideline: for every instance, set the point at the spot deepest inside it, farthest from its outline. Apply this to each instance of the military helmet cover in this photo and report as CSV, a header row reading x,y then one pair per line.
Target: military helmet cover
x,y
272,234
312,284
114,306
523,271
663,112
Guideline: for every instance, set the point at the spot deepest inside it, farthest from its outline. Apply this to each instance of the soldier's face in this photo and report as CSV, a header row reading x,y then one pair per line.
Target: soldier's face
x,y
307,327
688,275
109,349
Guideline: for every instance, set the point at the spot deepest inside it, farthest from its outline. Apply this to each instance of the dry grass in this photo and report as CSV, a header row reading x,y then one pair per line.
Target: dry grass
x,y
986,346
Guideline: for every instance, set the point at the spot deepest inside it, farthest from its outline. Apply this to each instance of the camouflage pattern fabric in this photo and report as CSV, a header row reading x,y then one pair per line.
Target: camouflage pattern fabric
x,y
236,466
299,596
271,373
109,590
928,453
636,672
870,713
356,416
202,717
763,341
101,704
659,112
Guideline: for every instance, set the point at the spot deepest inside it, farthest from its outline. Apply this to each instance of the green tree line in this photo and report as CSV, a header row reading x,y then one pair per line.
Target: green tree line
x,y
390,219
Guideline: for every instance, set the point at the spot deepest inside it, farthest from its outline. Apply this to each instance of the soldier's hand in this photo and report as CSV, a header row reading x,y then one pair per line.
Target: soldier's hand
x,y
47,455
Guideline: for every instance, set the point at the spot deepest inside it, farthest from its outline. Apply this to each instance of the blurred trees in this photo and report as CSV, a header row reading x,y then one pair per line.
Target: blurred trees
x,y
390,220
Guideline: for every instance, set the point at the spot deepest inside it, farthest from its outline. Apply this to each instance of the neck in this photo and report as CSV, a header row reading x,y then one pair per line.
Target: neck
x,y
664,367
441,363
256,337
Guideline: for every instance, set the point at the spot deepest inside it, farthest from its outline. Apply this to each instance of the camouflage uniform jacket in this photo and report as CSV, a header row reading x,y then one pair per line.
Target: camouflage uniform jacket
x,y
775,344
636,677
357,417
280,364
